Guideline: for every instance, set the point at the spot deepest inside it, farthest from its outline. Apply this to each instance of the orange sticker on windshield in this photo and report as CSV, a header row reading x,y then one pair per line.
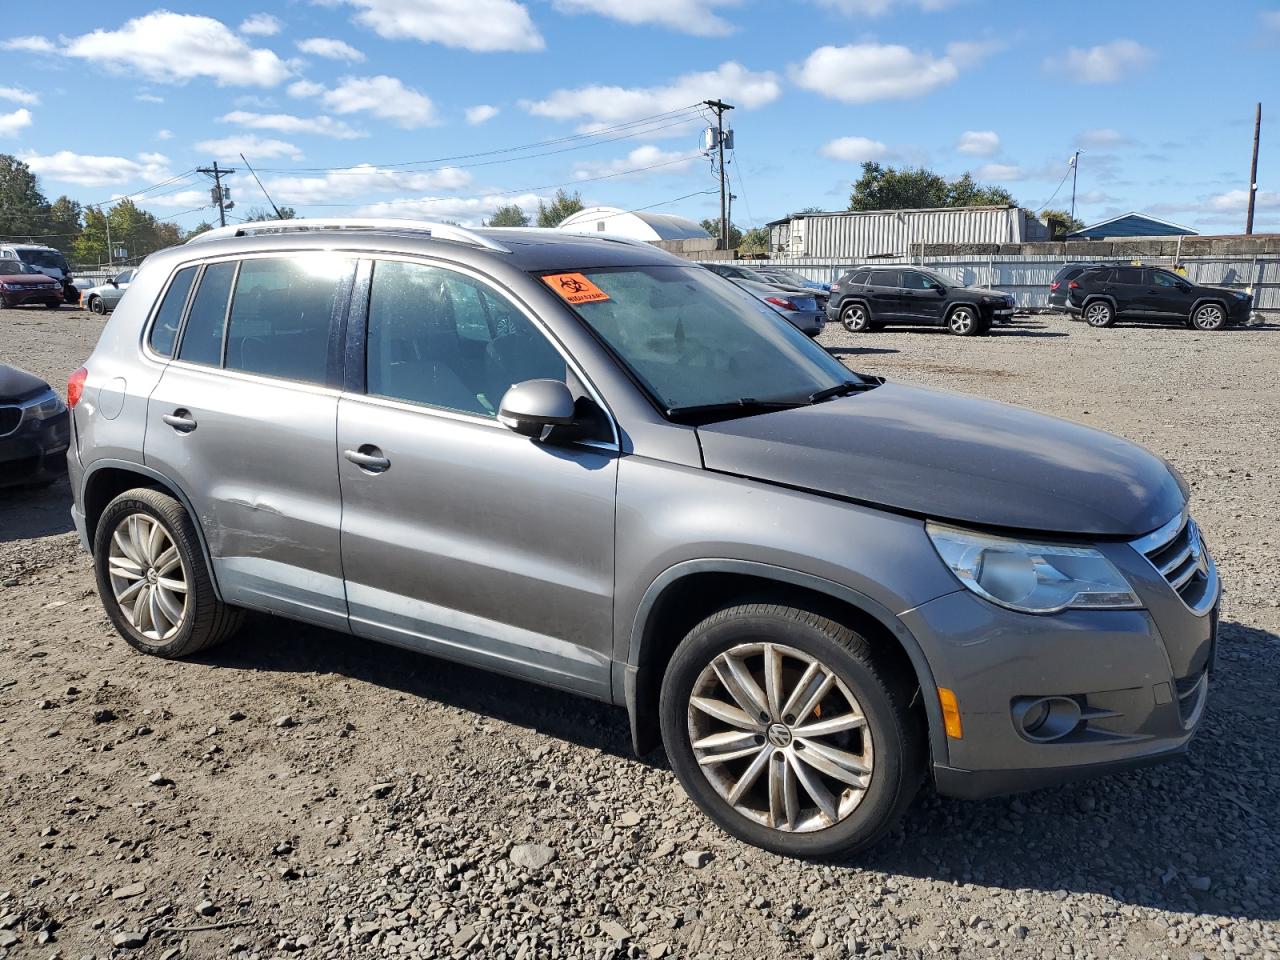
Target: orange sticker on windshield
x,y
575,288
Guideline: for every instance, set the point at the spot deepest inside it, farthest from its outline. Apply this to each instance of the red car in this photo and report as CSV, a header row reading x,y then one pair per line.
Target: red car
x,y
21,284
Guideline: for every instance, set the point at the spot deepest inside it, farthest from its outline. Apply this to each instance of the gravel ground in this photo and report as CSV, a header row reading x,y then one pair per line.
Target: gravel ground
x,y
298,792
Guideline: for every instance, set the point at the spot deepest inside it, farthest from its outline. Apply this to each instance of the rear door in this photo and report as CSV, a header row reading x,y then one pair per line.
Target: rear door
x,y
460,537
1128,287
884,296
243,420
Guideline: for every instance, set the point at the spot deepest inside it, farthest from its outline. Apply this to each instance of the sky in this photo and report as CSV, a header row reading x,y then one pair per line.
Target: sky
x,y
446,109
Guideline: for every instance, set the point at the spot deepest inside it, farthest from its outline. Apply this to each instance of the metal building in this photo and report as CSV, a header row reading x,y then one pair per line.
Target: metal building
x,y
893,233
1132,224
634,225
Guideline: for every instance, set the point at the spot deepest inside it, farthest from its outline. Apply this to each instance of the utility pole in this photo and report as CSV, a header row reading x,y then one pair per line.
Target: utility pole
x,y
719,106
1253,169
1075,170
218,197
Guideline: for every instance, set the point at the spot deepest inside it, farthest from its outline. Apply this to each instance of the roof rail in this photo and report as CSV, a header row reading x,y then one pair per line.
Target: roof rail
x,y
437,231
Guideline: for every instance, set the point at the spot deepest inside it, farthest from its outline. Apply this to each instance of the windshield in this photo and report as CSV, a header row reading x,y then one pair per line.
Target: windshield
x,y
692,341
10,267
44,258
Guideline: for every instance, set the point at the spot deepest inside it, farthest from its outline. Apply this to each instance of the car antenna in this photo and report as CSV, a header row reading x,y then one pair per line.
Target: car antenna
x,y
279,215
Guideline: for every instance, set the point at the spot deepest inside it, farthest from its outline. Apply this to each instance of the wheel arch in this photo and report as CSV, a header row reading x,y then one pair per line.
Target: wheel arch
x,y
104,480
1206,301
687,592
854,300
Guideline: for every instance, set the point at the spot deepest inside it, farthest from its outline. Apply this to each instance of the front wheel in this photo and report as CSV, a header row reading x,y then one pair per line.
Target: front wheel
x,y
1209,317
152,577
786,731
963,322
856,318
97,306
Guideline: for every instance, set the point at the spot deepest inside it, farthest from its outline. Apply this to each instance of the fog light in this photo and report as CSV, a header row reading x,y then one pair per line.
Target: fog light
x,y
1045,719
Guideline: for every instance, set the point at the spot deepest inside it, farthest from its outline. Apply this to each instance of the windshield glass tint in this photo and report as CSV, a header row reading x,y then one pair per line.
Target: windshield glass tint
x,y
44,258
692,339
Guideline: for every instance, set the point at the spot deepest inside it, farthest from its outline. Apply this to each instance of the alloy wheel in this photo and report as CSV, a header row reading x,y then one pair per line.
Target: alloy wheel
x,y
855,318
148,578
1097,315
1208,317
962,320
780,737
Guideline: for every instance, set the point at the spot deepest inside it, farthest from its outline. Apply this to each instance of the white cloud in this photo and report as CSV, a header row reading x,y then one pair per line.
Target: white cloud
x,y
1000,171
30,45
148,98
11,123
361,180
288,123
1270,19
1101,139
305,88
480,113
1237,201
331,49
601,106
381,96
182,200
979,143
1104,63
261,25
877,8
96,171
648,155
230,148
177,47
865,72
469,211
482,25
854,149
688,16
164,134
18,95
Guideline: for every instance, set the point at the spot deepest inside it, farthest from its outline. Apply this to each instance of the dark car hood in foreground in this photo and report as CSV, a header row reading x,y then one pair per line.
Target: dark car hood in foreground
x,y
18,385
954,457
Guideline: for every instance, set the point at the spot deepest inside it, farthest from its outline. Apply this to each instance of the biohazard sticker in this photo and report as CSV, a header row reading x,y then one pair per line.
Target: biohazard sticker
x,y
575,288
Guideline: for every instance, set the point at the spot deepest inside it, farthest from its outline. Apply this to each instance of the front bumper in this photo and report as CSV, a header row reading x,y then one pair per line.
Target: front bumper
x,y
36,451
18,298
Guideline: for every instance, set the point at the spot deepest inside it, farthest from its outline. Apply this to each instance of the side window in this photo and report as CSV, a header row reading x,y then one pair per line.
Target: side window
x,y
202,336
439,338
164,331
884,278
860,277
281,314
1128,275
1162,279
911,280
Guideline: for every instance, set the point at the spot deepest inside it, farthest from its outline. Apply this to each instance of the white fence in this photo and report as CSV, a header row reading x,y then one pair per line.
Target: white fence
x,y
1028,278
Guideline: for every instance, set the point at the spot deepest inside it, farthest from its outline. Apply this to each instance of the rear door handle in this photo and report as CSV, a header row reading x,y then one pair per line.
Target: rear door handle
x,y
181,420
368,458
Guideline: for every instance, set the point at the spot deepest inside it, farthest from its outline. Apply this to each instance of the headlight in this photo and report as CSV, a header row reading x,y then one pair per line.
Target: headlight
x,y
44,406
1032,577
993,299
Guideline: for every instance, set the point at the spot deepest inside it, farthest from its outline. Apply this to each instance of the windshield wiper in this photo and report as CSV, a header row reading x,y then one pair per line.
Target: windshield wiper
x,y
840,390
743,406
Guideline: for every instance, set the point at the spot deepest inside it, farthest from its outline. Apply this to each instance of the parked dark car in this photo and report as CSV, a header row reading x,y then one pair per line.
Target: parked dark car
x,y
1058,286
21,284
35,429
1102,295
867,298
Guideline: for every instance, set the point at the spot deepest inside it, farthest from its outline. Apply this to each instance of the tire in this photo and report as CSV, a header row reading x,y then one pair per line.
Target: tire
x,y
203,619
1099,314
856,318
97,306
1209,316
963,321
53,304
890,745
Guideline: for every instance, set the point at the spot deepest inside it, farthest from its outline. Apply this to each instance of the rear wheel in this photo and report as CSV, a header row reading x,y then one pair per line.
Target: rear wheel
x,y
1210,316
1099,313
963,321
97,306
856,318
788,733
152,577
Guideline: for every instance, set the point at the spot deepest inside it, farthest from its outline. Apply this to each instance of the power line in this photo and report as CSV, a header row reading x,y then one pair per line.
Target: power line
x,y
1070,167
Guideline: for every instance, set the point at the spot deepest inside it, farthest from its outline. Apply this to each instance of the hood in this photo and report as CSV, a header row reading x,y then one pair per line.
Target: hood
x,y
954,457
18,385
27,279
977,292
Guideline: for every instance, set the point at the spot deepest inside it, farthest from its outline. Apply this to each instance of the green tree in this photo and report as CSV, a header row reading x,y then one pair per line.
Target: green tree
x,y
24,211
755,240
560,208
1060,223
713,227
258,214
132,228
64,223
509,215
890,188
204,226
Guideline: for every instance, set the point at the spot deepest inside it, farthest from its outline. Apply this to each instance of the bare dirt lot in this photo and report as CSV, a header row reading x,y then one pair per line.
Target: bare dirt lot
x,y
299,792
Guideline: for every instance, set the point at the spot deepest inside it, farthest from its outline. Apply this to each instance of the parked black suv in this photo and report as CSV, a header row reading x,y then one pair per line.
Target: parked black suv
x,y
868,297
1069,271
1101,295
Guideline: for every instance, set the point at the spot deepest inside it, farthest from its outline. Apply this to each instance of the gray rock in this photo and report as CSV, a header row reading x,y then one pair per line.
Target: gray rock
x,y
159,780
129,891
206,908
8,939
696,858
532,856
285,722
129,939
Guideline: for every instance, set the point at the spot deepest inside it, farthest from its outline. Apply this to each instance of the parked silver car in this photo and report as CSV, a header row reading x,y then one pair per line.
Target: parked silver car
x,y
591,464
806,309
103,298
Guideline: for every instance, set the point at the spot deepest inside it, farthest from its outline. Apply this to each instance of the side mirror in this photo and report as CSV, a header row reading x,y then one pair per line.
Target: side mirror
x,y
534,407
939,289
112,281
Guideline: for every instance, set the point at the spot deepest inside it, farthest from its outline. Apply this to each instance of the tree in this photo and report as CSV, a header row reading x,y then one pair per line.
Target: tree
x,y
713,227
1060,223
64,223
258,214
561,207
804,210
132,228
24,211
890,188
204,226
755,240
509,215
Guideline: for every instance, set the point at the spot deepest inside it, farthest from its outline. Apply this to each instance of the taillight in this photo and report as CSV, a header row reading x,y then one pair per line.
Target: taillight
x,y
1073,285
780,303
75,386
1055,285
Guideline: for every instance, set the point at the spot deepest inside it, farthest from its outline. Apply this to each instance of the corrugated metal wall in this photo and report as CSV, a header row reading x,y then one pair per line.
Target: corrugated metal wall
x,y
1028,278
894,232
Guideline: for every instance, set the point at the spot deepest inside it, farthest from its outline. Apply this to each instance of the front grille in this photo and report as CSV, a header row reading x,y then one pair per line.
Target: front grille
x,y
1178,553
10,417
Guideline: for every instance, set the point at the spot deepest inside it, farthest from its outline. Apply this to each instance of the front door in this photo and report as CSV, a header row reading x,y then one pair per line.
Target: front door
x,y
243,421
459,537
1170,295
920,298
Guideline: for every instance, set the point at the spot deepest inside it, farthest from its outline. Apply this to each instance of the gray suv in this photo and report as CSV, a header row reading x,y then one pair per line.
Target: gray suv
x,y
594,465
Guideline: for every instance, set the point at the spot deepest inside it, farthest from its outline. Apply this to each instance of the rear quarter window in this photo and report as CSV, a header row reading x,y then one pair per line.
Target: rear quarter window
x,y
164,331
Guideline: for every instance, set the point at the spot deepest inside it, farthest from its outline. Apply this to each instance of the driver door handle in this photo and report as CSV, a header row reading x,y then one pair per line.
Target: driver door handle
x,y
180,420
368,458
